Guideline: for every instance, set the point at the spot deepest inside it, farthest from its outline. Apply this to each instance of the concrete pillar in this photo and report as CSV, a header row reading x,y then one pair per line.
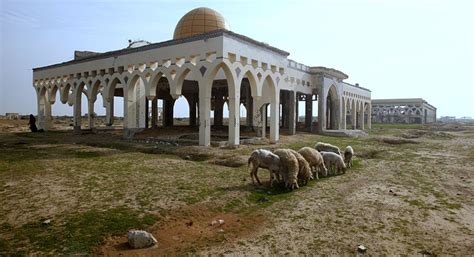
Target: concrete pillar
x,y
344,115
321,113
249,106
77,113
257,118
361,117
192,111
154,112
369,118
353,117
48,119
204,116
147,114
219,109
90,112
275,119
168,112
264,120
308,112
292,117
234,120
109,112
40,108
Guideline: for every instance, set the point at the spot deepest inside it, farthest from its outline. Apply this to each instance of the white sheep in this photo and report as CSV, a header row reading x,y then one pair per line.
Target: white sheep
x,y
304,171
315,160
289,167
348,153
324,147
334,162
262,158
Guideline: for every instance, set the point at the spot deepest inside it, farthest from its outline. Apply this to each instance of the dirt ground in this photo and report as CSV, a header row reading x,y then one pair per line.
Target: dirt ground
x,y
410,192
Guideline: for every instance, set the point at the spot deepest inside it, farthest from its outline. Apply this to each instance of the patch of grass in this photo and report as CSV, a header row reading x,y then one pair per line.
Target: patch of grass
x,y
79,232
396,126
268,196
86,155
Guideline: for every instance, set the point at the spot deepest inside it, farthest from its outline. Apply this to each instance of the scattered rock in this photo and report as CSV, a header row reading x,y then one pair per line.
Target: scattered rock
x,y
262,199
361,249
221,221
221,230
138,239
214,222
46,222
187,157
217,222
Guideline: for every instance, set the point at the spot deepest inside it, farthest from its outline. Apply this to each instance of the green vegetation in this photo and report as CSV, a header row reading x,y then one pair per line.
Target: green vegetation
x,y
78,232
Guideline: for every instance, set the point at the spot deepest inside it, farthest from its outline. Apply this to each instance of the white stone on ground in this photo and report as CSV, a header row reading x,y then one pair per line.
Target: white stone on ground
x,y
140,239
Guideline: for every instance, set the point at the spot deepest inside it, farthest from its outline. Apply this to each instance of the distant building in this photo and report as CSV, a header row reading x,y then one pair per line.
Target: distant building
x,y
12,116
405,110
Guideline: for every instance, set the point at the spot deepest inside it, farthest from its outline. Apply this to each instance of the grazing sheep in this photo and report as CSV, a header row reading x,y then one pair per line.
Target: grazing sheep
x,y
315,160
348,153
262,158
304,172
334,162
289,167
323,147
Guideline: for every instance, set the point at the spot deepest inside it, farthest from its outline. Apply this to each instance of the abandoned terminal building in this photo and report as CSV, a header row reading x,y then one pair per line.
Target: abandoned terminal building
x,y
407,110
209,65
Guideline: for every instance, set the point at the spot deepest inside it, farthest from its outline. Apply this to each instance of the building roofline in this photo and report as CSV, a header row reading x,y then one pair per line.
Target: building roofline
x,y
363,88
402,100
212,34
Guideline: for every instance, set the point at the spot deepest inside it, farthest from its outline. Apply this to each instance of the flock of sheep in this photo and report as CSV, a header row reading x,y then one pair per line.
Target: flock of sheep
x,y
306,164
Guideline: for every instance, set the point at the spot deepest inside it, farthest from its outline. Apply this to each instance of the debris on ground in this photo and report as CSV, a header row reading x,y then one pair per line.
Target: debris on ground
x,y
361,249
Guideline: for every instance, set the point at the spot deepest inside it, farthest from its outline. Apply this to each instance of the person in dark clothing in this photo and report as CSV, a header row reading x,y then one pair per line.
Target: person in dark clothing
x,y
32,123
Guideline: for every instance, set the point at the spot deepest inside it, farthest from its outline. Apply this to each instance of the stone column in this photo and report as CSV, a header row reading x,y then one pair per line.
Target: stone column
x,y
249,106
154,112
369,118
309,112
77,113
344,115
353,117
264,120
168,112
204,116
321,113
90,112
109,112
192,111
219,108
48,119
257,118
361,117
292,117
147,113
234,119
275,119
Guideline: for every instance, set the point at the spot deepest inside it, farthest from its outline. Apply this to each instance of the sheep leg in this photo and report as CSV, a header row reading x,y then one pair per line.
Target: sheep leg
x,y
252,170
256,177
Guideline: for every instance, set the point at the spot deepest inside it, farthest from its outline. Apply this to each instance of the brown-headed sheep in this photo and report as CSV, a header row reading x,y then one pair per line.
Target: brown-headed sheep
x,y
334,162
289,167
324,147
262,158
315,160
348,153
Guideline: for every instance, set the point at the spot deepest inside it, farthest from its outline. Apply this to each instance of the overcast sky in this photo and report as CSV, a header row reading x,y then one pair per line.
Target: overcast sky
x,y
396,48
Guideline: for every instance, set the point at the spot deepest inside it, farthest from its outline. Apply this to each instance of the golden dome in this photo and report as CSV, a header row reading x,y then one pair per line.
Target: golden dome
x,y
198,21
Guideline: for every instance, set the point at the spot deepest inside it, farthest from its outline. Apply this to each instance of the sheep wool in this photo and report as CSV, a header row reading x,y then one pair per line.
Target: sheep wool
x,y
315,160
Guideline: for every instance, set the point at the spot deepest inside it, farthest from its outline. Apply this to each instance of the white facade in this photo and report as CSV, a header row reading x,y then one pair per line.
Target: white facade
x,y
190,67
